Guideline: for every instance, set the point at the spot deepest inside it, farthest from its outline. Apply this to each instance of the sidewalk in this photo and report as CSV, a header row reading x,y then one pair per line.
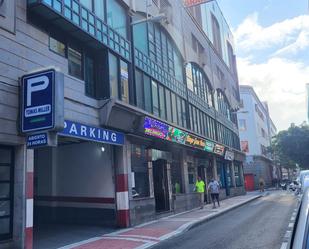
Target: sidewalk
x,y
151,233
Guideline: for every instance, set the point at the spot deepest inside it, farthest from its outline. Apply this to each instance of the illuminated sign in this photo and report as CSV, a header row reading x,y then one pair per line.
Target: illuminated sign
x,y
158,129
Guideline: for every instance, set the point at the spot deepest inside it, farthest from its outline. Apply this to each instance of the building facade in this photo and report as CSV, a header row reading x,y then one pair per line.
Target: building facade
x,y
256,130
149,99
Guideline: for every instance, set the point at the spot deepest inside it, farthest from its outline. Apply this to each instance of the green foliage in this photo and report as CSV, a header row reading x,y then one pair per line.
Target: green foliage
x,y
291,147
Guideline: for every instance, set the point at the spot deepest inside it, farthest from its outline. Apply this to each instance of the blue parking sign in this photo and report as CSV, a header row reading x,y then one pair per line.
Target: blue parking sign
x,y
38,101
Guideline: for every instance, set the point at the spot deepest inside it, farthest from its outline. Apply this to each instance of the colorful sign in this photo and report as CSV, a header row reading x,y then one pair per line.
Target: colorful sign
x,y
156,128
229,155
191,3
74,129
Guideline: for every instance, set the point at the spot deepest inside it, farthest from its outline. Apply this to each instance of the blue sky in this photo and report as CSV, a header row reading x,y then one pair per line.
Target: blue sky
x,y
272,47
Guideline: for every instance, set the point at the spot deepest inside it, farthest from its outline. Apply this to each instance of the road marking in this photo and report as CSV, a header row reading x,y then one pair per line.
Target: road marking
x,y
288,234
284,245
293,218
291,225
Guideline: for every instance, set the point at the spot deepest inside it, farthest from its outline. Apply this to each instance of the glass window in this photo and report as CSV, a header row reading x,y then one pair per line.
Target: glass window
x,y
139,89
178,66
4,226
140,36
5,156
184,115
220,173
75,63
57,46
189,77
174,108
168,105
99,9
139,174
87,4
117,17
191,117
155,100
5,172
147,94
177,185
179,112
124,76
216,34
113,76
90,78
162,102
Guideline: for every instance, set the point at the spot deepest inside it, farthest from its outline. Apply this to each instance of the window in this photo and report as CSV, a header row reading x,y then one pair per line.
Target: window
x,y
242,125
263,133
87,4
117,17
124,81
90,77
113,76
99,9
162,102
177,186
184,113
231,58
57,46
6,192
139,89
174,108
139,167
179,112
147,94
237,172
189,77
140,36
75,63
155,98
216,34
220,173
168,105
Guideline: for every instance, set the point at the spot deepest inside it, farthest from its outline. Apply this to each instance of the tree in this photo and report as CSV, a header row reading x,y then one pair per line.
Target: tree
x,y
290,146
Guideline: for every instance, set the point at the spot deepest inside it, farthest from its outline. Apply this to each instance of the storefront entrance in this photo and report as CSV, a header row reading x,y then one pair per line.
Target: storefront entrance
x,y
160,183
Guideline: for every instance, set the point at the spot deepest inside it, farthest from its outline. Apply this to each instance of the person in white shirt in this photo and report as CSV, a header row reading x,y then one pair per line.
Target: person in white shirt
x,y
214,188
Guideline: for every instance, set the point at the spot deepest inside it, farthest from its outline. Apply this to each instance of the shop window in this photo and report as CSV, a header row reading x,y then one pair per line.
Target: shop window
x,y
237,172
177,185
113,75
155,98
116,17
75,63
220,173
57,46
139,174
191,177
124,81
229,175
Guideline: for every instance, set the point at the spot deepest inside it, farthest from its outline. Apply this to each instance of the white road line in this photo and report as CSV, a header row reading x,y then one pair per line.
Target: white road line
x,y
293,218
284,245
288,234
291,225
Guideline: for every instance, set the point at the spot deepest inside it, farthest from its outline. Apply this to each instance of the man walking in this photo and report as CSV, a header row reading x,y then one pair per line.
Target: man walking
x,y
200,189
214,188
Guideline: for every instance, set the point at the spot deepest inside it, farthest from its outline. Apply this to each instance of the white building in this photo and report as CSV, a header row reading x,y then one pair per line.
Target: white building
x,y
256,130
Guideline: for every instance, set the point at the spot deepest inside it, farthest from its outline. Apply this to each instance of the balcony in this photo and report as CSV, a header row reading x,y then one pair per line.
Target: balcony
x,y
73,18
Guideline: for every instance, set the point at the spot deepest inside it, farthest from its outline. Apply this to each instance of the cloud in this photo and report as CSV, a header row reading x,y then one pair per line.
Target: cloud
x,y
281,83
250,35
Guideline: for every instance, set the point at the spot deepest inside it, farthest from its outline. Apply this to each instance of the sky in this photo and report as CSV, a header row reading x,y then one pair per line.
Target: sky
x,y
272,47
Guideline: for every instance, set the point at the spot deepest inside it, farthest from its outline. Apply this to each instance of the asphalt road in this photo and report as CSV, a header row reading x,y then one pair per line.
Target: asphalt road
x,y
260,224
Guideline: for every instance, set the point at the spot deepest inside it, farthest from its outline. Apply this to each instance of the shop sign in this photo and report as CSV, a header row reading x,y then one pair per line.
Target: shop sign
x,y
37,140
155,128
40,92
219,149
74,129
229,155
190,3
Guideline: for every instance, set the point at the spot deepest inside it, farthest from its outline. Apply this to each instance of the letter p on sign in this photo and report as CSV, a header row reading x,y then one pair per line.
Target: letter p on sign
x,y
34,85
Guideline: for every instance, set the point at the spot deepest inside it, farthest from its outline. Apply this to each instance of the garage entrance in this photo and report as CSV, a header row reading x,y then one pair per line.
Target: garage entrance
x,y
74,192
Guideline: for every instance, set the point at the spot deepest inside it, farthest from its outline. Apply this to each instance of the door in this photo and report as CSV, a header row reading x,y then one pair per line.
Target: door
x,y
6,192
249,182
160,184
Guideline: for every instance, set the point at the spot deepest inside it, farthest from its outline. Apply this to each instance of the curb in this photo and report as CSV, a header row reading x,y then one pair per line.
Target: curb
x,y
215,215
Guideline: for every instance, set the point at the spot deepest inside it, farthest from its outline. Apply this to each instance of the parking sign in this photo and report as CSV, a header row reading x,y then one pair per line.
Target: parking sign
x,y
38,101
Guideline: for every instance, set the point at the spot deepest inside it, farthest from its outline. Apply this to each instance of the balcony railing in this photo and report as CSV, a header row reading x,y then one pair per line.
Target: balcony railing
x,y
79,16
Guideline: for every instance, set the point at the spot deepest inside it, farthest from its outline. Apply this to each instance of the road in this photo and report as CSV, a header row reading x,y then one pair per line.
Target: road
x,y
260,224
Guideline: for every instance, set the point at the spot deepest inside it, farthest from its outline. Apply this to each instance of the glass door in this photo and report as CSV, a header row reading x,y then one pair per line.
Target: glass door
x,y
6,192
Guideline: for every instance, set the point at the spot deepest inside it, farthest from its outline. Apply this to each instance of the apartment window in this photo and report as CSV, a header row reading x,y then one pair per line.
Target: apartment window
x,y
216,34
155,98
99,9
90,77
147,93
184,113
174,108
189,77
75,63
116,17
57,46
124,81
237,172
139,89
242,125
231,58
87,4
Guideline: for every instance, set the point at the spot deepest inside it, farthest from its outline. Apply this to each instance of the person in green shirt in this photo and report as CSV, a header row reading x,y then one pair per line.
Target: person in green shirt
x,y
200,189
177,188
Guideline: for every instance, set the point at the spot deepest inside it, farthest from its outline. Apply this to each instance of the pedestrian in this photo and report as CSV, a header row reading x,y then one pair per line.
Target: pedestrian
x,y
261,184
200,189
214,188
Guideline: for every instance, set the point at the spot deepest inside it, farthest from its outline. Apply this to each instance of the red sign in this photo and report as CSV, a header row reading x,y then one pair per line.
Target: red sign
x,y
190,3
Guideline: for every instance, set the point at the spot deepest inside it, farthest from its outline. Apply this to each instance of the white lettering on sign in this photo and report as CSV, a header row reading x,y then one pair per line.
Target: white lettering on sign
x,y
73,129
114,137
105,135
91,132
83,130
34,85
37,110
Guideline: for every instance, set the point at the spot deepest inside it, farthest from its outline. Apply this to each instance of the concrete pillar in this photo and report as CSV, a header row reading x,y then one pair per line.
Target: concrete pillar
x,y
233,174
169,183
214,165
150,175
122,159
29,199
